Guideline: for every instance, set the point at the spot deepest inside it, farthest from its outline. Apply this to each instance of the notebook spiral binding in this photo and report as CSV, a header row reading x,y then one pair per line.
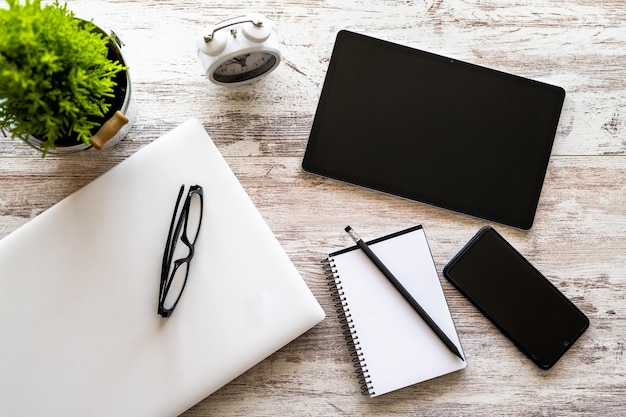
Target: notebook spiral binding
x,y
349,332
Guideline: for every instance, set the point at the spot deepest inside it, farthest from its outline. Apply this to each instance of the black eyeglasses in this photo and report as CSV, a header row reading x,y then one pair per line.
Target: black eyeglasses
x,y
185,229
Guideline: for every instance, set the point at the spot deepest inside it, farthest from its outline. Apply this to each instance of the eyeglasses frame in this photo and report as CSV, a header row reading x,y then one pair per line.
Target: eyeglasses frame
x,y
170,246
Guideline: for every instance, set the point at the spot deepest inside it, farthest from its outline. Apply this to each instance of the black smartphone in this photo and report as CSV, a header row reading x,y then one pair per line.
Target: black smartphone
x,y
516,297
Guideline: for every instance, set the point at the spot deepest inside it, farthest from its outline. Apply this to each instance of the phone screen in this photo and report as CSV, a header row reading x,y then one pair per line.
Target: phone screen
x,y
516,297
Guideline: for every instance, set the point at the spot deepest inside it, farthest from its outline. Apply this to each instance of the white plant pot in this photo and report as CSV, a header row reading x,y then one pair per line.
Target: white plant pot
x,y
128,108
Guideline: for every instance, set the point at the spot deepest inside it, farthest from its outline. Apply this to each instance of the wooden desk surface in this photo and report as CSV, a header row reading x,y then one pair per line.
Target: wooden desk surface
x,y
578,240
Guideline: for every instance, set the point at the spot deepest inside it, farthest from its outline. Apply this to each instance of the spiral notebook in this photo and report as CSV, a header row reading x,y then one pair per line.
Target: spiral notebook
x,y
394,347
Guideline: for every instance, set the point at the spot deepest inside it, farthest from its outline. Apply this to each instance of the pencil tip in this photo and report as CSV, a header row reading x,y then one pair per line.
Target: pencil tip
x,y
348,228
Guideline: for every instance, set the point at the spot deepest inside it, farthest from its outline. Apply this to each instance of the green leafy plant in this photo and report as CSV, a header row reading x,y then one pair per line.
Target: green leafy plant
x,y
56,77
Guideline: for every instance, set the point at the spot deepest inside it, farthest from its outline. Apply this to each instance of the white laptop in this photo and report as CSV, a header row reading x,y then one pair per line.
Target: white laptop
x,y
80,333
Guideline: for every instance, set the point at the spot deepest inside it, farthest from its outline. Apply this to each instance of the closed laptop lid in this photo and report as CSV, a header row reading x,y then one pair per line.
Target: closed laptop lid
x,y
79,289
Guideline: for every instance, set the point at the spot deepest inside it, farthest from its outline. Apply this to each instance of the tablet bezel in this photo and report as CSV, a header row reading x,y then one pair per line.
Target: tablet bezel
x,y
376,54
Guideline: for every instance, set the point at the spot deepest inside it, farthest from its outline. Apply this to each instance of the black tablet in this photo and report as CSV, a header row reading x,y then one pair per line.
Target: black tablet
x,y
434,129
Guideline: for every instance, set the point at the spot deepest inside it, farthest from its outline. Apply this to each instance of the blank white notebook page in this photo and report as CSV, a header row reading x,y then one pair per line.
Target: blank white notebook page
x,y
398,348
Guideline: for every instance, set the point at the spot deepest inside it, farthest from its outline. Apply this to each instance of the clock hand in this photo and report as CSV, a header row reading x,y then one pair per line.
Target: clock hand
x,y
242,60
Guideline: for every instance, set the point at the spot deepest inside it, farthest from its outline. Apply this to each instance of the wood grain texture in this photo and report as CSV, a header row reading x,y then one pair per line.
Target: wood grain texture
x,y
578,240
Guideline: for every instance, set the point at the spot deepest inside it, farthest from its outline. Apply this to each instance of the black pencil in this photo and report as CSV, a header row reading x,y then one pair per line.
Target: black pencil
x,y
407,296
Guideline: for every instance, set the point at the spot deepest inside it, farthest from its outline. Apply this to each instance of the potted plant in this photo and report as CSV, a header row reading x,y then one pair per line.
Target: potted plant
x,y
64,85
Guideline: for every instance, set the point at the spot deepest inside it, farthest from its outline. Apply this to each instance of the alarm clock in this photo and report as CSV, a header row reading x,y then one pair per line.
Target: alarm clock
x,y
239,50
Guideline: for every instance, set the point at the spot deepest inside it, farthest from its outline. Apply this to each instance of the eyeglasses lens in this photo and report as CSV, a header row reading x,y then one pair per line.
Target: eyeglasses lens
x,y
192,225
177,283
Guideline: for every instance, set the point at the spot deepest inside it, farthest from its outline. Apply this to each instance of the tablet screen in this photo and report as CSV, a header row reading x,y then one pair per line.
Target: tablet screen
x,y
434,129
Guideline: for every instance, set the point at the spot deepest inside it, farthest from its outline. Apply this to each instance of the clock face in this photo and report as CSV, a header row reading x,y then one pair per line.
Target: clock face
x,y
245,67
